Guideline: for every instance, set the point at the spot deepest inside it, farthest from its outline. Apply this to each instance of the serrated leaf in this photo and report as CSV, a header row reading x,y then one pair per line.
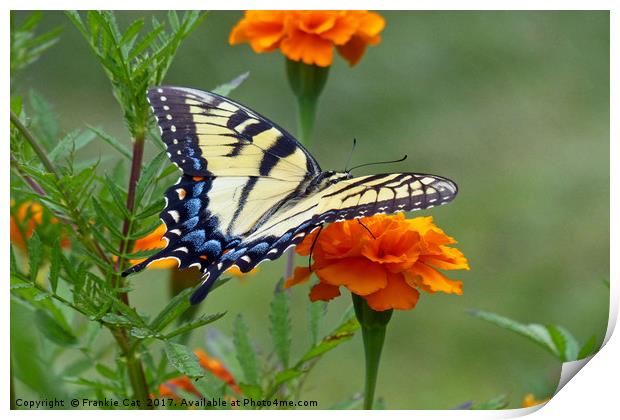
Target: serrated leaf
x,y
35,255
192,325
342,333
52,330
183,359
588,348
55,264
281,323
175,308
535,332
565,342
226,88
244,350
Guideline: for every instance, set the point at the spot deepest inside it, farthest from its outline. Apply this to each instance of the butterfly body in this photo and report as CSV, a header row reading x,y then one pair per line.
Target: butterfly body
x,y
249,190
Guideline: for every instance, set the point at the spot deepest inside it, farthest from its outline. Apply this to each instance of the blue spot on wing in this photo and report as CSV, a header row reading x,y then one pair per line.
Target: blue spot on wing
x,y
193,207
198,189
190,223
196,237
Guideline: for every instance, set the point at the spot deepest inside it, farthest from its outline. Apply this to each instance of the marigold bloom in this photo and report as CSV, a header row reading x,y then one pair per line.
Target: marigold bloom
x,y
386,268
170,389
29,215
530,401
310,35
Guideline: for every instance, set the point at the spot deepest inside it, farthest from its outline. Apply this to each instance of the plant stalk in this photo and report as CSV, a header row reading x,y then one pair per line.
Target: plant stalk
x,y
373,324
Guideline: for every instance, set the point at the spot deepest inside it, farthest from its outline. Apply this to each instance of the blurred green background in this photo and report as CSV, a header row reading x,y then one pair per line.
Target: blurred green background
x,y
513,106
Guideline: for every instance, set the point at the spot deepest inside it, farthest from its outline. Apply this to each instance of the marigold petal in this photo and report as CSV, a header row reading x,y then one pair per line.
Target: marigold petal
x,y
309,48
449,259
397,294
432,279
263,29
344,27
370,25
304,247
323,291
359,275
353,51
300,275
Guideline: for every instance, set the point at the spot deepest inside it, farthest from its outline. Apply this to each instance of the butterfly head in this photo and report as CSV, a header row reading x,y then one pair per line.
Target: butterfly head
x,y
325,179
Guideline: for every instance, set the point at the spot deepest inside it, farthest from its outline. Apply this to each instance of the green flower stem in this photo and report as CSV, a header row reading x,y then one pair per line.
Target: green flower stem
x,y
373,325
307,83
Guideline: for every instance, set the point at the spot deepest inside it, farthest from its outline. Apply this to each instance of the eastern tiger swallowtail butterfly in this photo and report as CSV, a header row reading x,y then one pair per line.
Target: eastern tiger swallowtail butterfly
x,y
249,190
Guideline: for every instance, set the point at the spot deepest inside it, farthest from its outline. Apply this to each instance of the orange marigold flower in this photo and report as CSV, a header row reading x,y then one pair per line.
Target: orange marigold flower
x,y
386,264
530,401
28,216
310,35
171,388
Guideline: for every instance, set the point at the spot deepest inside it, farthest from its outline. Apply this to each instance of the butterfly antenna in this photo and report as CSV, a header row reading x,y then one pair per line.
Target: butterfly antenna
x,y
378,163
350,154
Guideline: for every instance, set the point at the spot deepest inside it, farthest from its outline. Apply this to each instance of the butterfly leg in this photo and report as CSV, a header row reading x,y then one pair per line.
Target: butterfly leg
x,y
316,238
367,230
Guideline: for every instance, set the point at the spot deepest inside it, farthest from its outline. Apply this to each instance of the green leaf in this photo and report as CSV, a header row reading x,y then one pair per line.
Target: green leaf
x,y
281,323
565,342
211,387
116,319
52,330
141,332
555,339
316,312
588,348
245,352
174,309
35,255
106,372
251,391
44,122
192,325
183,359
54,266
111,141
287,375
75,140
342,333
226,88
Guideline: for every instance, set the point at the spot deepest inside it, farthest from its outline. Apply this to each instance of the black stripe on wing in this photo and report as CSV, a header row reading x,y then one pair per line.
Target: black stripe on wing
x,y
177,109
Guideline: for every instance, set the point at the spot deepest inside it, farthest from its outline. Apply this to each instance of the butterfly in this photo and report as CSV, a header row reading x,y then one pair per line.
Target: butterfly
x,y
249,190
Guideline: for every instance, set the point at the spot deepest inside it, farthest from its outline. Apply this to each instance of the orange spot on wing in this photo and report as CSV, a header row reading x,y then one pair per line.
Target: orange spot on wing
x,y
197,178
182,193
